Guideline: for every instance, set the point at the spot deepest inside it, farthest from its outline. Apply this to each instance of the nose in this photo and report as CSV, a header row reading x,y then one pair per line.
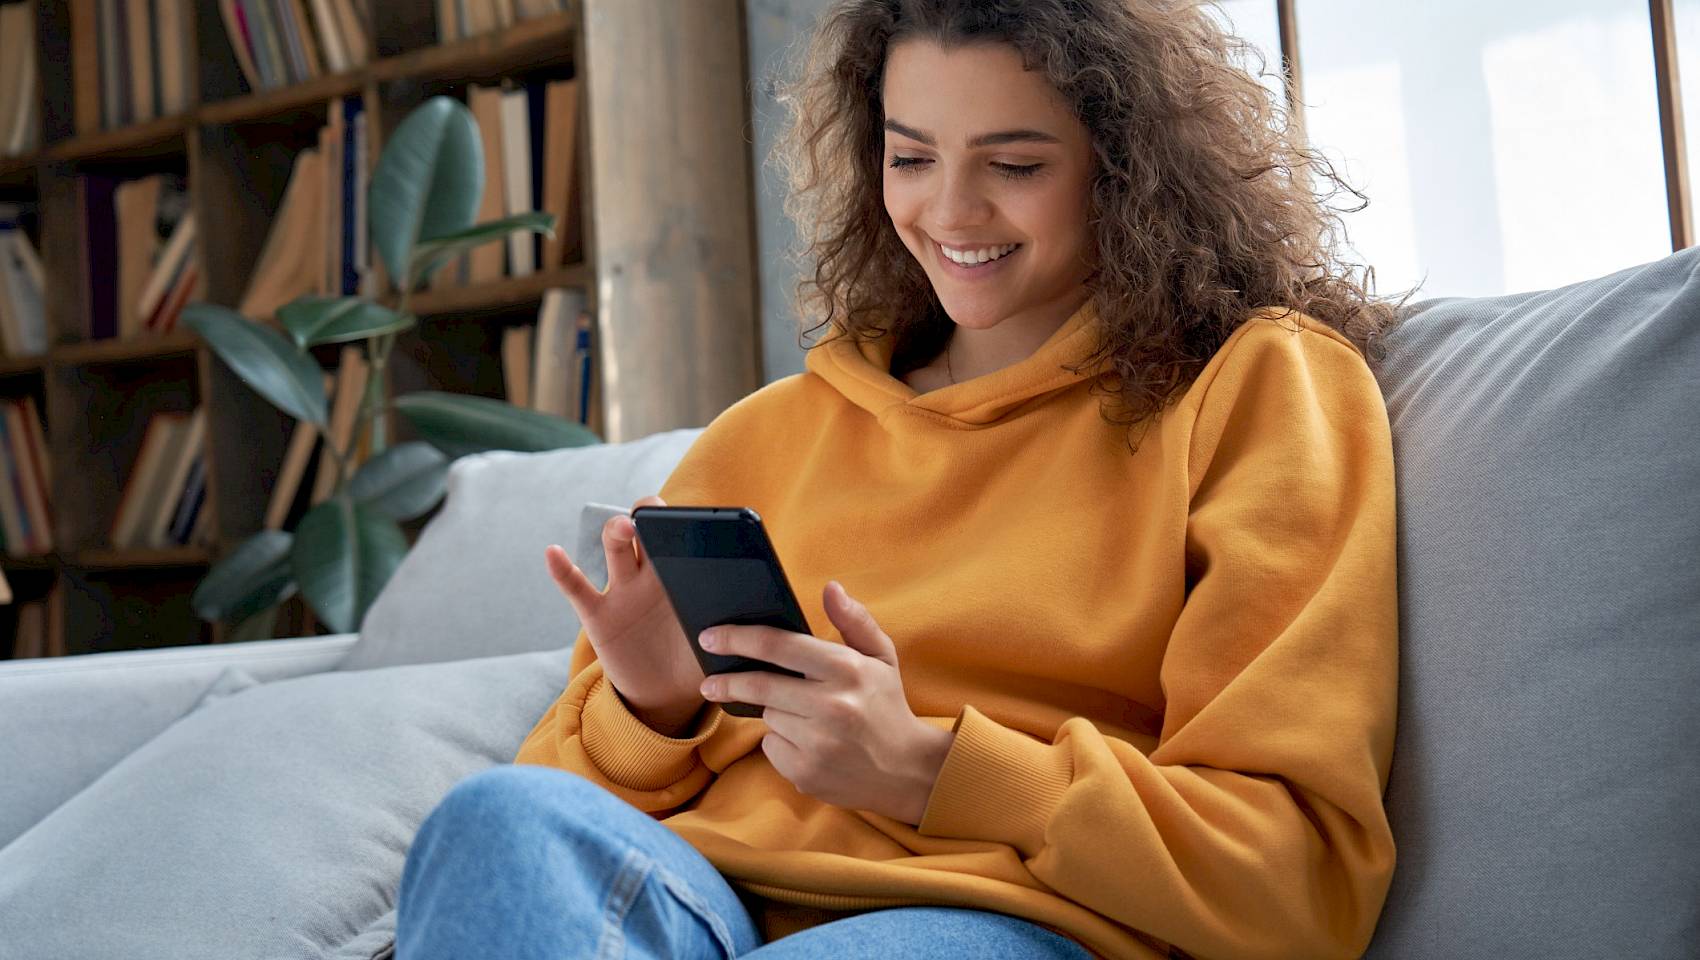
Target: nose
x,y
959,203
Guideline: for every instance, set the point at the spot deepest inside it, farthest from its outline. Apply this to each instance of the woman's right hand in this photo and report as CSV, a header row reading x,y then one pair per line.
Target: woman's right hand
x,y
633,630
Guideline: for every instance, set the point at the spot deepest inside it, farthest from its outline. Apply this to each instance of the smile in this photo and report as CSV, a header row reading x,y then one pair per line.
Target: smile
x,y
977,255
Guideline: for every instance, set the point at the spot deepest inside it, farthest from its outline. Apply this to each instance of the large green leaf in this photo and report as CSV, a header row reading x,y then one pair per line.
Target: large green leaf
x,y
428,182
256,576
265,361
458,424
434,252
314,320
402,482
344,554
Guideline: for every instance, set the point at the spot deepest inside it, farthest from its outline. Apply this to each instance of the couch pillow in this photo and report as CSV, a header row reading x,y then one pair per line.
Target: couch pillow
x,y
66,720
475,585
272,822
1543,789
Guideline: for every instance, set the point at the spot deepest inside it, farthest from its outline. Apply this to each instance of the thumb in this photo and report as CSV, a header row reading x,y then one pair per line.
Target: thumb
x,y
856,625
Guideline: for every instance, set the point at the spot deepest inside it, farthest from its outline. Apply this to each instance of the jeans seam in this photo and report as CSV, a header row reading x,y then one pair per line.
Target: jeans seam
x,y
711,919
621,894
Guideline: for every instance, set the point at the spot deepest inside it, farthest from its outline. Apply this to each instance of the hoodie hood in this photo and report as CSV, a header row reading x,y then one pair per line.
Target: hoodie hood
x,y
861,371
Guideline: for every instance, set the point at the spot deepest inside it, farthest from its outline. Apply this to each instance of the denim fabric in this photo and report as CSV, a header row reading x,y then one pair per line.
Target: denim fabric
x,y
531,862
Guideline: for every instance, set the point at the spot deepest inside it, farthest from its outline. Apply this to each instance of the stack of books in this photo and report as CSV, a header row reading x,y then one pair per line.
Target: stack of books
x,y
26,517
469,18
139,53
141,233
550,367
23,315
164,498
283,42
529,136
20,100
318,243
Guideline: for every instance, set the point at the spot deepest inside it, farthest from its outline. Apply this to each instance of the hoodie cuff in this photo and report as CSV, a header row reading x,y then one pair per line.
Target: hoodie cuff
x,y
997,784
628,751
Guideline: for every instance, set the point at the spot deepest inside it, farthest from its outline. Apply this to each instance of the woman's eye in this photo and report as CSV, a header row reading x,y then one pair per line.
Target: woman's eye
x,y
1011,171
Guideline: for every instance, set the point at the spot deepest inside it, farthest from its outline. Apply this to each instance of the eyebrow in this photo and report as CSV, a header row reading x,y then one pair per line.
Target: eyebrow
x,y
983,140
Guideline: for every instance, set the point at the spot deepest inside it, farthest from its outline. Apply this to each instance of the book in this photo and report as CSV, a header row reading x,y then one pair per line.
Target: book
x,y
145,484
35,451
516,364
22,539
169,268
138,77
235,32
302,37
345,411
354,37
23,311
302,440
330,36
156,531
448,23
85,64
516,178
31,483
486,262
286,268
584,359
173,50
560,170
136,205
31,638
554,378
189,504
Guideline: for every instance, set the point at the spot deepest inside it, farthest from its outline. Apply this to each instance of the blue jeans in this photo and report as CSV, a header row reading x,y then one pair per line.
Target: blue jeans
x,y
525,861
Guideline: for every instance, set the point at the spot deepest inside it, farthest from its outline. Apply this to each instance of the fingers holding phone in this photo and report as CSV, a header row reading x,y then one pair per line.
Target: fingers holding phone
x,y
632,628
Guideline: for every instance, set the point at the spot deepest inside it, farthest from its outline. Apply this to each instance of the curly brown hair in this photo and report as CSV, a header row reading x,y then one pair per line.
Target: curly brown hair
x,y
1206,202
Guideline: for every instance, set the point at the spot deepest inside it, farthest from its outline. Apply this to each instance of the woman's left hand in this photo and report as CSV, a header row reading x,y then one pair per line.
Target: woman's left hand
x,y
843,732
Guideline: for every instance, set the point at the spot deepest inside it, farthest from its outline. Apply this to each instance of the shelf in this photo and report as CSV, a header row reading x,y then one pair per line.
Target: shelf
x,y
39,561
526,44
109,558
18,173
283,100
21,366
507,292
162,137
133,350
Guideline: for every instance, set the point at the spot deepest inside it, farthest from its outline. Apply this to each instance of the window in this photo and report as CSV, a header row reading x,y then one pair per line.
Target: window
x,y
1504,146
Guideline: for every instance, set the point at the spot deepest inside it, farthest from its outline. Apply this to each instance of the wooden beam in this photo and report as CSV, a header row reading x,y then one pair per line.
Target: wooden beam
x,y
1671,123
670,198
1287,18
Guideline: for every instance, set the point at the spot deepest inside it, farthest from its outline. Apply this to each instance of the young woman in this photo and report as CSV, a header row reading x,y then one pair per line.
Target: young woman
x,y
1096,483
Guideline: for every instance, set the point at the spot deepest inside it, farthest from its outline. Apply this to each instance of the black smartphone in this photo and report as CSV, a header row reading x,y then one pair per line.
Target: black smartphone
x,y
717,566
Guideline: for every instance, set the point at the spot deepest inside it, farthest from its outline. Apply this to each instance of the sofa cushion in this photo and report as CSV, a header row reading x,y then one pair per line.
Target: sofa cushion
x,y
1548,468
65,720
272,822
475,585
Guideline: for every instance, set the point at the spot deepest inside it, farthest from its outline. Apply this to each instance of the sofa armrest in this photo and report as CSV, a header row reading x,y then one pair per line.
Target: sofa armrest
x,y
65,720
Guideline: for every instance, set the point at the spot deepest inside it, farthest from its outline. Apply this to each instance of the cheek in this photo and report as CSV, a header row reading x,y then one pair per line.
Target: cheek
x,y
902,207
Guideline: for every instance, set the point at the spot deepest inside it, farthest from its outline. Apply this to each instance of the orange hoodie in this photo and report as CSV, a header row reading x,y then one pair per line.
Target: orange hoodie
x,y
1172,674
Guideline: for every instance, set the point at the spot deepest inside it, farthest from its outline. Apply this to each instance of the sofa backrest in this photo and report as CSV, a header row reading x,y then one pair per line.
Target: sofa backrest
x,y
475,585
1546,777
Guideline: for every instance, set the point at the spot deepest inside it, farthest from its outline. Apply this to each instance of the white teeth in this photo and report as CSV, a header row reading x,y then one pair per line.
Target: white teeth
x,y
981,255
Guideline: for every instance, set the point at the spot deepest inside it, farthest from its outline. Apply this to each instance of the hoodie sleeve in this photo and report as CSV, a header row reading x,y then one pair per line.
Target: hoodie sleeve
x,y
1255,827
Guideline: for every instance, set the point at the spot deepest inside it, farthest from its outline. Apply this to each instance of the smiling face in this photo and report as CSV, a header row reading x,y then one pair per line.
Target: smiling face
x,y
987,180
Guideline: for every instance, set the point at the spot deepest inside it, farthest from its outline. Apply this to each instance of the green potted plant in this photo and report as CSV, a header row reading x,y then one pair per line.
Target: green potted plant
x,y
423,197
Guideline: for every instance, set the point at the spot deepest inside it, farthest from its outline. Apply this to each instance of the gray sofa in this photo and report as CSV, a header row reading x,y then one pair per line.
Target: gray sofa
x,y
256,800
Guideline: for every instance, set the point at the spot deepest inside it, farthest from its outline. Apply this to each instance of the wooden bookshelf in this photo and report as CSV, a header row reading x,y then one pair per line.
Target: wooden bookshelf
x,y
644,223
